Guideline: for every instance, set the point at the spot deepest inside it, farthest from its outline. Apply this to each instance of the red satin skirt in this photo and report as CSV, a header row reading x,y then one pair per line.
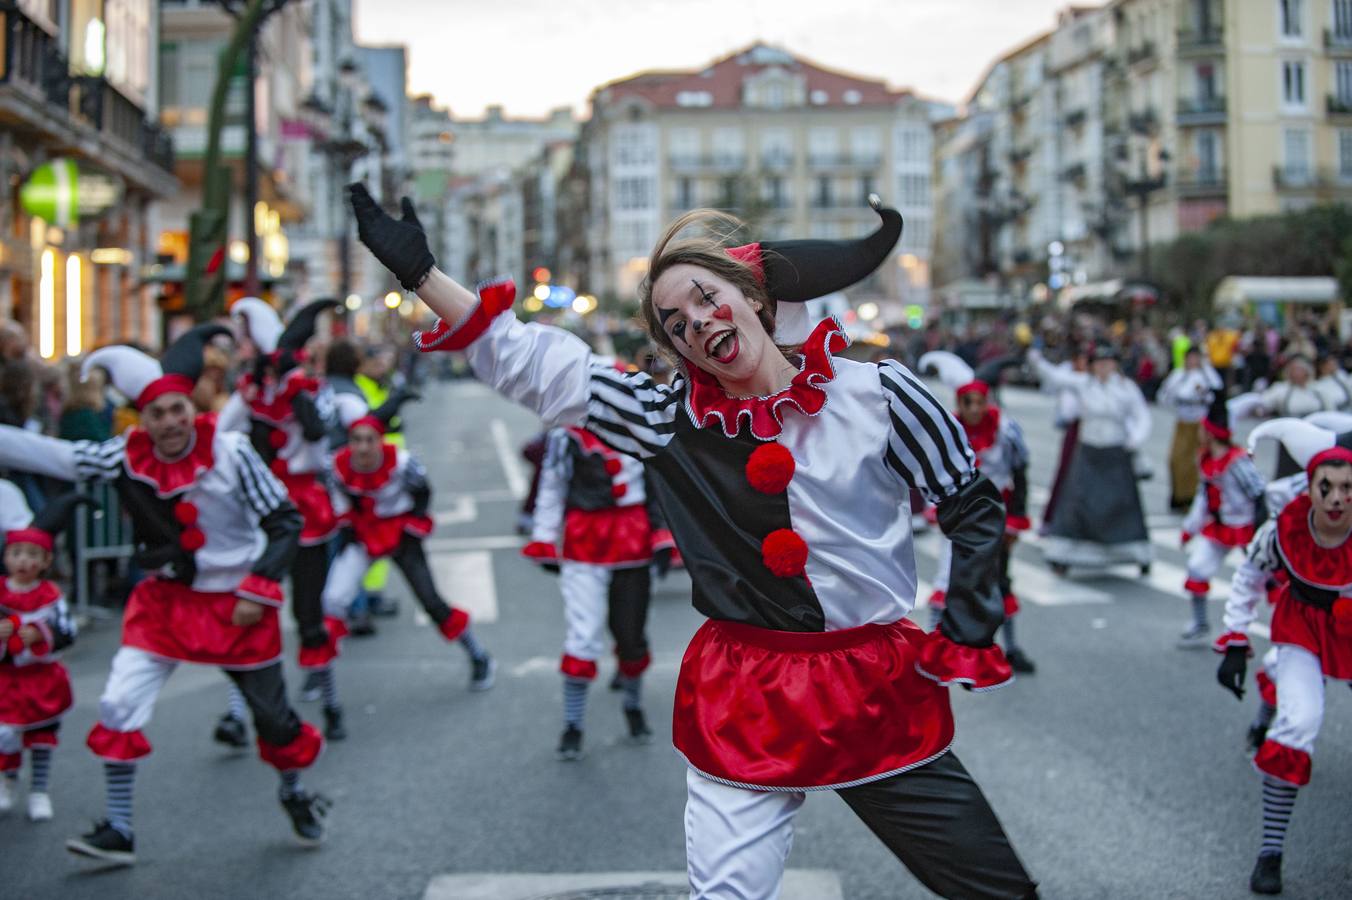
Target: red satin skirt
x,y
173,621
1303,625
316,510
33,695
616,536
381,536
778,710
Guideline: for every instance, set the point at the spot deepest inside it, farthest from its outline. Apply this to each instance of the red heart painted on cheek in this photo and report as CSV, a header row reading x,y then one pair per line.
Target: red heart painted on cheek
x,y
723,312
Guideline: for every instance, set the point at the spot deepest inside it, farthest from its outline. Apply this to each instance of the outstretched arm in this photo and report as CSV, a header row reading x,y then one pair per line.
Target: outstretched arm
x,y
55,458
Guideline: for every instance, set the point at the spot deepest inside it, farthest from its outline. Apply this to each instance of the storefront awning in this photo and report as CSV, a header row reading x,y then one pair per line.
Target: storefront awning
x,y
1236,291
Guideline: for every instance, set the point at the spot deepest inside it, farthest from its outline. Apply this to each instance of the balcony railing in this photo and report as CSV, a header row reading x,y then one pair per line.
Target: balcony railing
x,y
1144,122
845,160
775,159
1020,155
1141,53
1201,110
32,59
1075,118
1309,178
1337,41
1338,106
723,161
1208,39
1074,172
1204,182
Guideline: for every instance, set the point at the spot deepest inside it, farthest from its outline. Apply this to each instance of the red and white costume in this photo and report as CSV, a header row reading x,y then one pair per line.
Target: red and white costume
x,y
1221,517
34,686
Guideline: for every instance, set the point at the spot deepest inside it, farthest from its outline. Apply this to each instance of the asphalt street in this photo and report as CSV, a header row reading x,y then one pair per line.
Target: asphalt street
x,y
1118,769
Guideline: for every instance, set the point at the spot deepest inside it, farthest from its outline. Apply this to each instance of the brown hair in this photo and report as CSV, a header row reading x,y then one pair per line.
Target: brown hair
x,y
708,250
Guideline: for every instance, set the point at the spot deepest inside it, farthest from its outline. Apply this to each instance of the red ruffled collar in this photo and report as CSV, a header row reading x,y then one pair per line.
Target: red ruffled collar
x,y
1329,568
268,402
706,402
982,435
169,477
1213,466
42,594
365,482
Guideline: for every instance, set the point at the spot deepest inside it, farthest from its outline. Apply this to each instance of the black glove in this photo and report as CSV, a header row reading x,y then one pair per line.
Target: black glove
x,y
399,244
1232,669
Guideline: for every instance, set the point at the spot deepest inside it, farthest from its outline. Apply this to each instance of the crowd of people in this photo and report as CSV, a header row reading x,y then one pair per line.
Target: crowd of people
x,y
256,454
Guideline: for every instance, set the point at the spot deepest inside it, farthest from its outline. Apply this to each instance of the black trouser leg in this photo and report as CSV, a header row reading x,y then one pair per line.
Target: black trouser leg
x,y
412,561
937,822
308,573
1006,585
265,691
630,591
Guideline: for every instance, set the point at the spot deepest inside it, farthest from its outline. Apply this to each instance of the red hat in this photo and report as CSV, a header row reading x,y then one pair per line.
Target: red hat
x,y
368,421
49,520
1333,454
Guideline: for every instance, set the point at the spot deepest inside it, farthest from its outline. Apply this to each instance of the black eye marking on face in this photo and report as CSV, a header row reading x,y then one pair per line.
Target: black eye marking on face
x,y
663,314
1325,487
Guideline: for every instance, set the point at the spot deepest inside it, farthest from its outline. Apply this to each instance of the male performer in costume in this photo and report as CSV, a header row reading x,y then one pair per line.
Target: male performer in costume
x,y
1221,517
216,532
595,502
382,500
1311,624
1002,455
287,418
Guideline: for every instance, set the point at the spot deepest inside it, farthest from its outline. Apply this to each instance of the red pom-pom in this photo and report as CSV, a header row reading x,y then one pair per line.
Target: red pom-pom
x,y
277,438
770,468
192,539
618,490
784,552
185,513
279,467
613,466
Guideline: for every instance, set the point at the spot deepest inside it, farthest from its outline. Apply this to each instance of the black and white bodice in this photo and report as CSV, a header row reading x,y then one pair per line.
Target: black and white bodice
x,y
813,535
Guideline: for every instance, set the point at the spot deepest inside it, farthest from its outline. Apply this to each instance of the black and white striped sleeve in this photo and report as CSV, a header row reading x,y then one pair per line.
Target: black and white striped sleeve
x,y
259,488
630,411
925,446
26,451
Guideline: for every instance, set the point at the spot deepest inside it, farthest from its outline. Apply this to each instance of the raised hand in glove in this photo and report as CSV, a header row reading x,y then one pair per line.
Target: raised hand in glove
x,y
399,244
1232,669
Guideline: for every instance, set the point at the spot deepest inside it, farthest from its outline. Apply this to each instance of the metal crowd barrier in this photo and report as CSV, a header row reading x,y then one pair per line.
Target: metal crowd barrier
x,y
100,534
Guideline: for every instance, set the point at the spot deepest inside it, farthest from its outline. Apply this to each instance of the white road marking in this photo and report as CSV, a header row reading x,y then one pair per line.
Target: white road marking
x,y
466,581
486,542
798,884
464,508
533,665
508,457
1038,585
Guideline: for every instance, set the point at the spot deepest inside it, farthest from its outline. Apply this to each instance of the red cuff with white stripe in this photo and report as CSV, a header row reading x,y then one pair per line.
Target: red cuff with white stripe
x,y
119,746
949,663
540,552
495,298
260,590
1232,639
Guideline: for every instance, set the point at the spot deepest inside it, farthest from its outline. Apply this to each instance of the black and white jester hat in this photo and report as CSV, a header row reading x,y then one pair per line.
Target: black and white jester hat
x,y
141,378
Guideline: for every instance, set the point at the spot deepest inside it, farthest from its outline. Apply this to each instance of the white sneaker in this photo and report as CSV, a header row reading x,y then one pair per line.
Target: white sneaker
x,y
39,807
6,794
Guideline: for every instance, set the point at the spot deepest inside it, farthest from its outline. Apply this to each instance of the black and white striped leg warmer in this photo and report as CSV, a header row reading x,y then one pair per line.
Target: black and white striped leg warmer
x,y
119,778
291,785
574,700
1279,798
328,686
471,644
1199,610
236,708
40,760
632,687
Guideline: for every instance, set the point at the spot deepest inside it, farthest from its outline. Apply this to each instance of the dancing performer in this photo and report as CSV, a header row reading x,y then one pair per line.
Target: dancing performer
x,y
1311,624
1333,383
1099,521
382,498
596,521
287,419
1002,455
1189,391
785,482
1222,514
217,533
35,626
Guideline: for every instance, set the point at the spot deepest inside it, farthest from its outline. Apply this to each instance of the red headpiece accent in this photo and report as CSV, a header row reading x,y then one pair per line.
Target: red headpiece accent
x,y
1332,454
165,384
975,386
751,255
1216,431
30,535
368,422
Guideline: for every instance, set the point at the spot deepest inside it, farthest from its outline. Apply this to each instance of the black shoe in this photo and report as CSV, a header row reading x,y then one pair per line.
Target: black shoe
x,y
308,813
106,843
361,625
483,672
639,732
381,607
311,690
231,733
1019,662
1267,874
333,724
1257,734
570,744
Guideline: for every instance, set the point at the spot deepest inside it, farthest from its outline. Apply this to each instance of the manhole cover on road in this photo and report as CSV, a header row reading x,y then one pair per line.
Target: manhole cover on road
x,y
624,892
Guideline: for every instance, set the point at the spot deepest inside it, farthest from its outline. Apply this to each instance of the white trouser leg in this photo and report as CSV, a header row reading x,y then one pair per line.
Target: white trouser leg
x,y
736,841
1300,698
133,684
586,590
945,564
344,580
11,740
1204,558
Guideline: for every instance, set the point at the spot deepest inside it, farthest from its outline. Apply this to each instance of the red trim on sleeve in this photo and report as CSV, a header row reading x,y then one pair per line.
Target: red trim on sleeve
x,y
495,298
949,663
260,590
301,753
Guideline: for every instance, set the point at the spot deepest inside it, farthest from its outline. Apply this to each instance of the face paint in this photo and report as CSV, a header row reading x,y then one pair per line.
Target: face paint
x,y
1324,487
724,313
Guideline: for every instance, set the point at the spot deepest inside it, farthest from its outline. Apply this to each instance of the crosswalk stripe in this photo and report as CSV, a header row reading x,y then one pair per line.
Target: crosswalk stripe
x,y
467,580
507,456
463,509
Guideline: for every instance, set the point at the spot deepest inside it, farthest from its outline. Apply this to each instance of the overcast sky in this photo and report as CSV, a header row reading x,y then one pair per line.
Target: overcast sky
x,y
531,55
